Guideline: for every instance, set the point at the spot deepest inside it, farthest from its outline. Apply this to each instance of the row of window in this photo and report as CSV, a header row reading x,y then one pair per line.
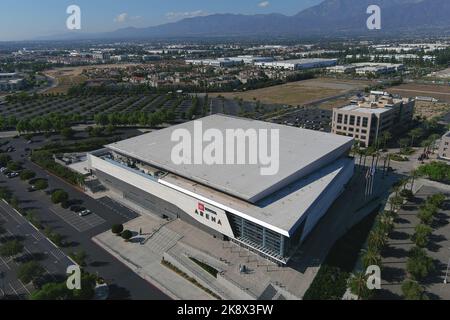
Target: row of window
x,y
351,129
352,120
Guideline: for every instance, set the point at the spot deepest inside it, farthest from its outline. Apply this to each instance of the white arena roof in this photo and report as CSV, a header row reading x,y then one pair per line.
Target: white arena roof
x,y
302,152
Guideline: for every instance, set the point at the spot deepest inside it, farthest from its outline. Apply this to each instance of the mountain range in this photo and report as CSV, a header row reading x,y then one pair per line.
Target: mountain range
x,y
330,17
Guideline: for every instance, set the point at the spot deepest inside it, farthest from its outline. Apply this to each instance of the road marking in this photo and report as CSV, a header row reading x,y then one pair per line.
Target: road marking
x,y
5,263
13,289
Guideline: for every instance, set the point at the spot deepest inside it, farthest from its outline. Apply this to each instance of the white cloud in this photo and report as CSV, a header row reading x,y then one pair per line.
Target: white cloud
x,y
264,4
183,15
125,17
121,18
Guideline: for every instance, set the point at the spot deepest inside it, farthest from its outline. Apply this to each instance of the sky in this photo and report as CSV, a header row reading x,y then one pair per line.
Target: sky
x,y
28,19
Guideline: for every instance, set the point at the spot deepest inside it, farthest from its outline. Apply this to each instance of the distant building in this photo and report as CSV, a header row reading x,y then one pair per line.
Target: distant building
x,y
217,63
298,64
341,69
444,147
367,68
10,82
366,120
103,56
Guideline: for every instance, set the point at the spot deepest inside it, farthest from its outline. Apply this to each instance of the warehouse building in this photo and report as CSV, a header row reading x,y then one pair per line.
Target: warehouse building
x,y
269,215
298,64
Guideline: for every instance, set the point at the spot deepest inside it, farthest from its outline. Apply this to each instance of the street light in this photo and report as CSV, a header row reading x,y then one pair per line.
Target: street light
x,y
448,268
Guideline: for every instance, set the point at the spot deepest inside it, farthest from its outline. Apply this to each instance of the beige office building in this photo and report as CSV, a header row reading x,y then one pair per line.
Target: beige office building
x,y
368,118
444,147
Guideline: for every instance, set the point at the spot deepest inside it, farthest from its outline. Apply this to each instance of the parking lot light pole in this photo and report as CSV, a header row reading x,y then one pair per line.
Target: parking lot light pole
x,y
446,272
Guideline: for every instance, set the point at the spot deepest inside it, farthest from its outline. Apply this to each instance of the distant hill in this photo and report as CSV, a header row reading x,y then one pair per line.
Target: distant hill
x,y
330,17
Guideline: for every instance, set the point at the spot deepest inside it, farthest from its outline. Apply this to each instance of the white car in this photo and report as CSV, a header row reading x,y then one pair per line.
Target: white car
x,y
85,213
3,169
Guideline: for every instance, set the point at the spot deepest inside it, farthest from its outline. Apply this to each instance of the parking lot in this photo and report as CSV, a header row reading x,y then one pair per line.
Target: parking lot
x,y
81,224
36,247
76,231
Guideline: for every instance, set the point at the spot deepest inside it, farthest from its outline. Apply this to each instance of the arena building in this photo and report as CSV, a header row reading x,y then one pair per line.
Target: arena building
x,y
270,215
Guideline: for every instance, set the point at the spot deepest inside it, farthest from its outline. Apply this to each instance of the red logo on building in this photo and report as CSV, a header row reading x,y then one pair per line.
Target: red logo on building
x,y
201,206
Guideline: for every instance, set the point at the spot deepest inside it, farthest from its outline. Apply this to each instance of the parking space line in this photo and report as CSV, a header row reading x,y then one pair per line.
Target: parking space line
x,y
15,292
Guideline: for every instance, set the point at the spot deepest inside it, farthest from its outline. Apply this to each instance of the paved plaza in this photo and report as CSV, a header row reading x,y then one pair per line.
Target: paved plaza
x,y
396,254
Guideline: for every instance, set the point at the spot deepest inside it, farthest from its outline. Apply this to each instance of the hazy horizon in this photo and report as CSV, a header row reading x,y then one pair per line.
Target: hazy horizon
x,y
27,20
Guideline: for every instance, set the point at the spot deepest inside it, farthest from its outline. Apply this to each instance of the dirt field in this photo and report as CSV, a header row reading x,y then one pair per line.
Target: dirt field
x,y
431,109
67,77
299,93
440,92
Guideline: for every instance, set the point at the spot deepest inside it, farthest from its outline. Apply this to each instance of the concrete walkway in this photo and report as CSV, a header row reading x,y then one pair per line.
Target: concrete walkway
x,y
145,260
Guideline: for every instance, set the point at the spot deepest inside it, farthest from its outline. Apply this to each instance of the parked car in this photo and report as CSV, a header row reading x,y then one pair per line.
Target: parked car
x,y
84,213
12,175
3,169
31,189
77,209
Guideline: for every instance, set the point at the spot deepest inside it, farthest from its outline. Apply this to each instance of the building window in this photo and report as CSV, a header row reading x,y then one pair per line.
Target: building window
x,y
365,123
352,120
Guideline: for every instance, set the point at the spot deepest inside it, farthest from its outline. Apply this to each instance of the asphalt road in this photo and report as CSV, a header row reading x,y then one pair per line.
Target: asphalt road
x,y
124,283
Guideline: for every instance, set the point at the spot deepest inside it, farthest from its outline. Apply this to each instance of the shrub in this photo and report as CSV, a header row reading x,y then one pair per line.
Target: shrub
x,y
419,265
421,235
413,291
27,175
406,193
41,184
59,196
117,229
127,235
13,166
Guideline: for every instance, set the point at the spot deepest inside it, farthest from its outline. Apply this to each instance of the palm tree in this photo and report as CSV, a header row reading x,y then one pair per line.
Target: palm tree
x,y
385,137
414,174
377,239
371,257
414,134
358,285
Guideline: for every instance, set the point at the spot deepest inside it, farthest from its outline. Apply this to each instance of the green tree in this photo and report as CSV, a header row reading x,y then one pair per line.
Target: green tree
x,y
358,285
419,265
413,291
67,133
371,257
59,196
27,175
52,291
79,257
4,159
415,134
30,272
41,184
421,235
11,248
